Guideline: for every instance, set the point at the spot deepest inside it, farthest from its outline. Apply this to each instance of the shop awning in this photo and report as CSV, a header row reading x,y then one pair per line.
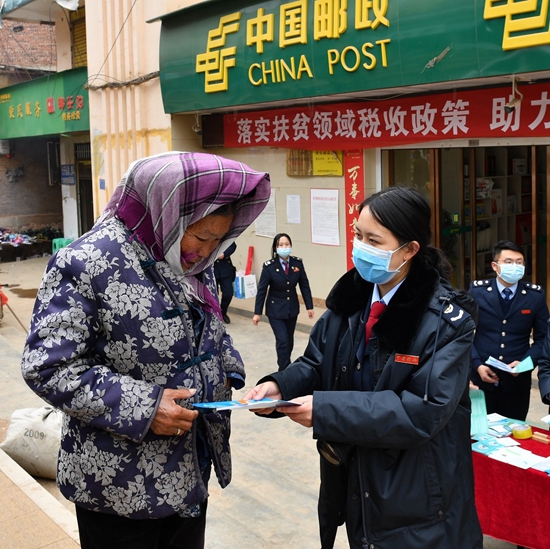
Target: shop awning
x,y
242,54
51,105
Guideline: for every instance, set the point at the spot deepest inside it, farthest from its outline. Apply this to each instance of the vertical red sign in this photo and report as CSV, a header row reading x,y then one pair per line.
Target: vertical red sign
x,y
354,183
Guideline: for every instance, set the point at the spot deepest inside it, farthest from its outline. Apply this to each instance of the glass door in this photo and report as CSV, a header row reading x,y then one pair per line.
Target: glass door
x,y
455,214
480,195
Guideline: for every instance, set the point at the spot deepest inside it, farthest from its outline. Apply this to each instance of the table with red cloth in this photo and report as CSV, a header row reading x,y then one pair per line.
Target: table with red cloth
x,y
513,504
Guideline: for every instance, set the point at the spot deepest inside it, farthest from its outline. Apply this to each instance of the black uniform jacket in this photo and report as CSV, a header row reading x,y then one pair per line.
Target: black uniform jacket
x,y
223,268
411,463
282,298
506,336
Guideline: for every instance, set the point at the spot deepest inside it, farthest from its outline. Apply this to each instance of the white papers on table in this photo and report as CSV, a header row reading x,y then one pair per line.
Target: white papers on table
x,y
518,457
496,418
498,430
500,426
543,465
508,441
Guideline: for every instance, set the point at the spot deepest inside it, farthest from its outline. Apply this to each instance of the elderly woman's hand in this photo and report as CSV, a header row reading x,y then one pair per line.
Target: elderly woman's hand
x,y
172,419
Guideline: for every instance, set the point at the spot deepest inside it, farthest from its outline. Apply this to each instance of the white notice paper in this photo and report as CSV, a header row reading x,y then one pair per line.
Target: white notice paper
x,y
324,217
293,208
266,222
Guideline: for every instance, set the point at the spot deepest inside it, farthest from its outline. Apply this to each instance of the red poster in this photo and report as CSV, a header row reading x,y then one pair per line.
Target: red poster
x,y
354,186
461,114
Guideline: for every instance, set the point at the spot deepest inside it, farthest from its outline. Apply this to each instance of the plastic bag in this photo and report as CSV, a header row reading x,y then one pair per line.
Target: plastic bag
x,y
245,285
250,287
33,439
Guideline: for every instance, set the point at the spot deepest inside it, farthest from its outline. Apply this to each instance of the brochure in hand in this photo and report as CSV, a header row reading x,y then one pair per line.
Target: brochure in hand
x,y
525,365
243,404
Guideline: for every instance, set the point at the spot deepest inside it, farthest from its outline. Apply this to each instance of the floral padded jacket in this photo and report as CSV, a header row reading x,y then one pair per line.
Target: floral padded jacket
x,y
102,347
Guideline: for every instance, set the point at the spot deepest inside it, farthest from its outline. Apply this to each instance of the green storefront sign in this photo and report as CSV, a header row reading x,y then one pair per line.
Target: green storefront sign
x,y
46,106
230,53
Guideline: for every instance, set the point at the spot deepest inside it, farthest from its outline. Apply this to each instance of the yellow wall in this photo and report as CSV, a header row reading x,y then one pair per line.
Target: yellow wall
x,y
128,122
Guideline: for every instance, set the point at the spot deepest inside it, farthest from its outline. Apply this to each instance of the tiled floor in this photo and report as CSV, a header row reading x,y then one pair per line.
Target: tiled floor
x,y
272,500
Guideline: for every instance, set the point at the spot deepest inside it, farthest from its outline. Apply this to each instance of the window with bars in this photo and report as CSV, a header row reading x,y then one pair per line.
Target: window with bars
x,y
78,24
82,151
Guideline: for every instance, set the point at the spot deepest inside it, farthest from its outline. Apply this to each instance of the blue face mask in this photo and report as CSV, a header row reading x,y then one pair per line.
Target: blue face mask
x,y
511,273
372,263
284,252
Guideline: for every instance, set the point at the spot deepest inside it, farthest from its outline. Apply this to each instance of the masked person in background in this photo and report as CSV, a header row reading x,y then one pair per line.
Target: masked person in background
x,y
383,383
510,312
224,271
278,281
127,333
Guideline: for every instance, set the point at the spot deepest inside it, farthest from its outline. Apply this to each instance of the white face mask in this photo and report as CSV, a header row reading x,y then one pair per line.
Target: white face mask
x,y
284,252
373,264
511,273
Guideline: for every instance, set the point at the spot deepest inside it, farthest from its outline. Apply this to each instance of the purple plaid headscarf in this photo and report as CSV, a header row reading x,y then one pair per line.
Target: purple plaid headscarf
x,y
161,195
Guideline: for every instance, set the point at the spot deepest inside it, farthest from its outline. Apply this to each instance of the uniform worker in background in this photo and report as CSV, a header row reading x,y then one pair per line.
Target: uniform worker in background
x,y
279,278
224,271
509,312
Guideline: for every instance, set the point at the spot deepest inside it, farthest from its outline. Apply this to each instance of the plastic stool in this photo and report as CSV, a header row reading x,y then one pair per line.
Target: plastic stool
x,y
58,243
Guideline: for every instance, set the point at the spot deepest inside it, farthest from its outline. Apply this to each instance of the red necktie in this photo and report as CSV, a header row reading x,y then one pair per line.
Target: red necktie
x,y
376,310
285,266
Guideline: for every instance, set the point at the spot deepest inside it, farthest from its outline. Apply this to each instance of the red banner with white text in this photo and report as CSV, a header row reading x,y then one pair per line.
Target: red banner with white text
x,y
407,120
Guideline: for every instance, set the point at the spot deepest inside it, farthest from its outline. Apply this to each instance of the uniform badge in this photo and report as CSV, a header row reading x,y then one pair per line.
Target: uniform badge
x,y
526,311
406,359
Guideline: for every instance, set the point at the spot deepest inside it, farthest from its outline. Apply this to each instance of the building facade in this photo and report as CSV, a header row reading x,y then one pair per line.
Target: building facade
x,y
336,99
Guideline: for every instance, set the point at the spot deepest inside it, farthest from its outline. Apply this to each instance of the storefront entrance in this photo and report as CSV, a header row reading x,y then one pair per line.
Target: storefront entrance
x,y
480,195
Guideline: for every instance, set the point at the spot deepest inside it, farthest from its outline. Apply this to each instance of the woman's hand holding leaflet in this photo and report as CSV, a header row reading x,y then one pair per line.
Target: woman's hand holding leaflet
x,y
300,414
171,418
269,389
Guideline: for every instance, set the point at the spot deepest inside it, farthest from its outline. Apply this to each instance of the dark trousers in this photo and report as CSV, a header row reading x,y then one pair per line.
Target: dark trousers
x,y
514,405
225,284
104,531
283,329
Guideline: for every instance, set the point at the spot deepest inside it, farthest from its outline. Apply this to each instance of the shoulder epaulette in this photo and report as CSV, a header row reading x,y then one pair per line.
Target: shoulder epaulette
x,y
535,287
297,258
454,314
478,283
268,262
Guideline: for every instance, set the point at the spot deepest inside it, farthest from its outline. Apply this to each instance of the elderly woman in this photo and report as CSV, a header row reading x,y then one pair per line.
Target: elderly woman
x,y
127,333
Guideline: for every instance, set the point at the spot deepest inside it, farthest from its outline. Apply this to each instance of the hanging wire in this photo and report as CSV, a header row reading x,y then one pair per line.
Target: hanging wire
x,y
115,41
121,83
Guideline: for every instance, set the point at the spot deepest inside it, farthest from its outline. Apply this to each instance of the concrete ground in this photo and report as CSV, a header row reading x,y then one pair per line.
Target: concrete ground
x,y
272,499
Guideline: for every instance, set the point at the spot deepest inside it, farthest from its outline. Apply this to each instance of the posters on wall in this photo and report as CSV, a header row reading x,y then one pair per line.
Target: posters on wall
x,y
327,163
266,223
324,217
68,174
293,209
